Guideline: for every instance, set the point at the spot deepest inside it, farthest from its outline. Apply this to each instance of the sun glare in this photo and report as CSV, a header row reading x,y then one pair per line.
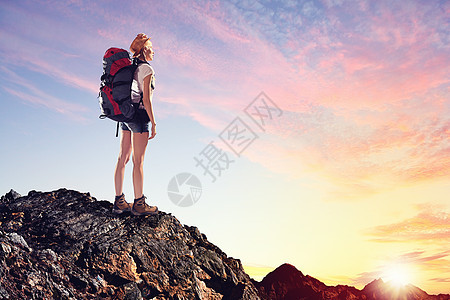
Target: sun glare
x,y
397,275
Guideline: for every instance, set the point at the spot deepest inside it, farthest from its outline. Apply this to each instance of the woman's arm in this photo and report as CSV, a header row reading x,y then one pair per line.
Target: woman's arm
x,y
147,100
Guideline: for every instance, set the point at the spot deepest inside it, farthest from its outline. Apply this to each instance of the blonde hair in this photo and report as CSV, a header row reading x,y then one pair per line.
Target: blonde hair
x,y
138,44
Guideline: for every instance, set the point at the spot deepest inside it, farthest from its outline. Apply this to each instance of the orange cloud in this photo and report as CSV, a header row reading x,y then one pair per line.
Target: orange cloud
x,y
425,227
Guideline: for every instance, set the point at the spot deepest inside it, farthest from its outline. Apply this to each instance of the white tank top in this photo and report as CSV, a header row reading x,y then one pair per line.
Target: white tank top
x,y
137,87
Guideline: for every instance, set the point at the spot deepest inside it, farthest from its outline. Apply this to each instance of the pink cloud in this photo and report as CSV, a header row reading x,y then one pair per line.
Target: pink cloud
x,y
27,91
39,61
59,73
384,58
210,18
51,103
361,154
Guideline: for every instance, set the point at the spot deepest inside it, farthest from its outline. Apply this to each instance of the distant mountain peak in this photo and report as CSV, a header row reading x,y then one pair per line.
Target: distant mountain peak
x,y
376,283
285,272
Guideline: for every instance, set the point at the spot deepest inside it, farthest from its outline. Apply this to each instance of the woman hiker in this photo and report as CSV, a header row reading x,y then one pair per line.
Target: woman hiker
x,y
135,134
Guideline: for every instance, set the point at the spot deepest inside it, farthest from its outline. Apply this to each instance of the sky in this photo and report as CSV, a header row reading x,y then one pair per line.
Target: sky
x,y
318,130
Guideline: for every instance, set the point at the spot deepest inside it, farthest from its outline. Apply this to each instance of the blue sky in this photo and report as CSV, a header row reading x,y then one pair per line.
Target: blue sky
x,y
358,161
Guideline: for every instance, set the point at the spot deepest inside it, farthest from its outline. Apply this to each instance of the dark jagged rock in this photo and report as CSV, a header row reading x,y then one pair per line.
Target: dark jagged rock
x,y
288,283
67,245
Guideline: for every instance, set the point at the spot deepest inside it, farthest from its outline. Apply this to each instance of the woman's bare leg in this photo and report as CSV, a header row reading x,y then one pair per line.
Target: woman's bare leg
x,y
124,157
139,144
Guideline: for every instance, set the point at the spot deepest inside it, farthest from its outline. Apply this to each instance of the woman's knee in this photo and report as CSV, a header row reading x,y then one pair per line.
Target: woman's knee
x,y
138,160
123,159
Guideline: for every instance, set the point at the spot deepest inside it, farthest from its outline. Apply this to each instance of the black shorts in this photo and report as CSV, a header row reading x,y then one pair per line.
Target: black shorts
x,y
139,124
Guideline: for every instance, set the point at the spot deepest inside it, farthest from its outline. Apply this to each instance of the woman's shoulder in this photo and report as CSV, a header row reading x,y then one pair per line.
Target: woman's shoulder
x,y
146,69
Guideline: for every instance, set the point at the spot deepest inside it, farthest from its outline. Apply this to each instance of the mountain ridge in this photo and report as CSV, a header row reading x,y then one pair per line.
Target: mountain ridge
x,y
287,282
66,244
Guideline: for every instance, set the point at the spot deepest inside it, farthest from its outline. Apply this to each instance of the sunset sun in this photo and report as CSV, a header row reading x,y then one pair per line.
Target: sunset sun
x,y
397,275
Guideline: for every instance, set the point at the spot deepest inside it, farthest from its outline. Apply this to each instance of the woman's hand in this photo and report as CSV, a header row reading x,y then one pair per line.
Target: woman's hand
x,y
153,132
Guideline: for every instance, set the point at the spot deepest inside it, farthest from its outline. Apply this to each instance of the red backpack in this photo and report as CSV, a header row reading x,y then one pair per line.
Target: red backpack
x,y
115,88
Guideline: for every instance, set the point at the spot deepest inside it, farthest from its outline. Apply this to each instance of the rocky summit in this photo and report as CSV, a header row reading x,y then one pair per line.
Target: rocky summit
x,y
67,245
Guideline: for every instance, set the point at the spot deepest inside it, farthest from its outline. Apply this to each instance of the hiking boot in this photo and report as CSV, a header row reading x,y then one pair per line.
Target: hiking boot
x,y
120,205
140,208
